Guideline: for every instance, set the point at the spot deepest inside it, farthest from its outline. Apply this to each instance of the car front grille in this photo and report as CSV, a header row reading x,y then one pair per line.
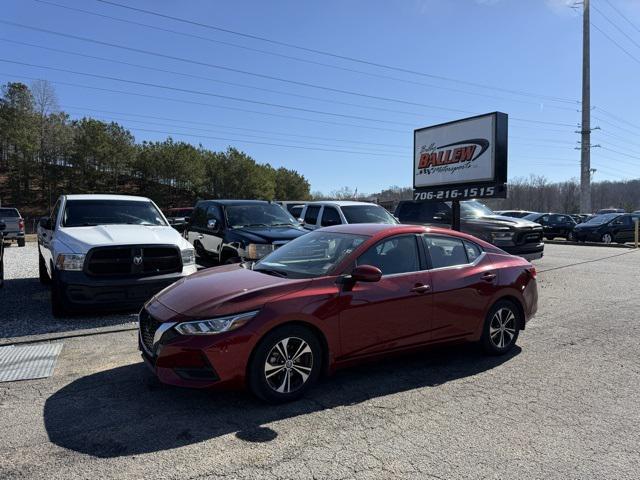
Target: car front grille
x,y
533,235
148,326
133,261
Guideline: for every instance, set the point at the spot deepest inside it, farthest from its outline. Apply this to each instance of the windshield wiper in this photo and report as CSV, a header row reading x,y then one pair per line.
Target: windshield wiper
x,y
271,271
282,224
255,225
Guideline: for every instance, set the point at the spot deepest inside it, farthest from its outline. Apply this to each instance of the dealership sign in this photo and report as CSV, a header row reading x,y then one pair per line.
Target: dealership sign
x,y
462,159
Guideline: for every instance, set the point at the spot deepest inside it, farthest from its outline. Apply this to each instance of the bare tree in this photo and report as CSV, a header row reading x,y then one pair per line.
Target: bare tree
x,y
44,98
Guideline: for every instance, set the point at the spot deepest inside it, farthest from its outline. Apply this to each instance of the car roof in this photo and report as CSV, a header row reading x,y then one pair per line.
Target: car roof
x,y
92,196
341,203
237,202
385,229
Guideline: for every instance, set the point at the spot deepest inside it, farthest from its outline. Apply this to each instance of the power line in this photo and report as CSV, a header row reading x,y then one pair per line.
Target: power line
x,y
290,57
609,122
329,54
224,82
623,16
201,104
286,134
635,59
235,70
620,119
198,92
617,27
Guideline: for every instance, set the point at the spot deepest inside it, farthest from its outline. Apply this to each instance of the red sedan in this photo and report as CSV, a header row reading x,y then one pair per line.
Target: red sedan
x,y
330,298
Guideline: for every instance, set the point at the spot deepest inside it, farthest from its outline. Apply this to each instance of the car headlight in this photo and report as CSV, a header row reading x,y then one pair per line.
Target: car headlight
x,y
70,261
255,251
502,235
188,256
213,326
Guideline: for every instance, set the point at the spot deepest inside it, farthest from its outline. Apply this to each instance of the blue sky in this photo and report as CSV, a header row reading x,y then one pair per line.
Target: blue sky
x,y
334,138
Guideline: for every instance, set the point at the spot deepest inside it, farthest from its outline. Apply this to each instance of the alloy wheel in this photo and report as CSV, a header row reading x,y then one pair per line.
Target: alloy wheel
x,y
288,365
606,238
502,328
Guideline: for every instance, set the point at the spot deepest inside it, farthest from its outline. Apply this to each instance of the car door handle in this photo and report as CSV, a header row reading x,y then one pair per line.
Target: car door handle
x,y
489,277
421,288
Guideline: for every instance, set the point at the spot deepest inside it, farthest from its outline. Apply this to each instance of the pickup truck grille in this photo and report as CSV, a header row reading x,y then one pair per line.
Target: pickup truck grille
x,y
533,235
148,327
133,261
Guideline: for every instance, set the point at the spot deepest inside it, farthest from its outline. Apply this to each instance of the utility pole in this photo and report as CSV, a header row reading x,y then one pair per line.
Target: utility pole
x,y
585,150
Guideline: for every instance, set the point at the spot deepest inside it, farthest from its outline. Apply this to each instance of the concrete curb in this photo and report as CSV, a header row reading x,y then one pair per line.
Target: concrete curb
x,y
589,244
49,337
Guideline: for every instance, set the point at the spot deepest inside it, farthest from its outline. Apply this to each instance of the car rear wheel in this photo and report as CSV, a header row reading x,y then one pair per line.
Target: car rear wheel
x,y
285,364
501,328
607,238
571,237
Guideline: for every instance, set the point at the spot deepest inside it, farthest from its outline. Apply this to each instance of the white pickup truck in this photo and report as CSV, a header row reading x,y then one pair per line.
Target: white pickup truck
x,y
109,251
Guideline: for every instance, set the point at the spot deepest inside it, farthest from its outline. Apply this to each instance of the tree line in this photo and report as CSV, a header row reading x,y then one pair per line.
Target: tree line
x,y
45,153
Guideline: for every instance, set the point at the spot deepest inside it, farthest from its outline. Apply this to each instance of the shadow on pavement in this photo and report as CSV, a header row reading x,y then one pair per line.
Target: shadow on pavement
x,y
26,310
125,411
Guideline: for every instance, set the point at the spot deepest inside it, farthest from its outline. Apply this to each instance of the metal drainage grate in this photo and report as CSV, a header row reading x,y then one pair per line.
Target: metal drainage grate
x,y
28,362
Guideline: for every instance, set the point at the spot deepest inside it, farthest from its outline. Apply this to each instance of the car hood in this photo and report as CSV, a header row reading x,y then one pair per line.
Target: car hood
x,y
499,221
225,290
587,226
81,239
269,234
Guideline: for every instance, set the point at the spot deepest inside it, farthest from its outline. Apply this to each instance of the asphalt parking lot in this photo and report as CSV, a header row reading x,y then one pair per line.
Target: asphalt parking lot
x,y
563,405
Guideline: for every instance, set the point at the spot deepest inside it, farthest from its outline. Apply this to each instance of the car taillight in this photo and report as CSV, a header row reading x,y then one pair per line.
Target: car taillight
x,y
21,225
532,271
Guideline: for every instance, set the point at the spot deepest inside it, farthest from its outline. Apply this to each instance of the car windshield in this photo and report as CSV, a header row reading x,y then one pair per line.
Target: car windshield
x,y
86,213
474,209
9,213
602,219
258,215
312,255
367,214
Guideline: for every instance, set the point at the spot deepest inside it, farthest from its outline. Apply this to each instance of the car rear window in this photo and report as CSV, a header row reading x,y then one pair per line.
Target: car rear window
x,y
422,212
367,214
9,213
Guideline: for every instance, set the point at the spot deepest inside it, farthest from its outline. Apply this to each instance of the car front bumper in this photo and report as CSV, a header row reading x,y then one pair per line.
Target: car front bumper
x,y
82,290
528,251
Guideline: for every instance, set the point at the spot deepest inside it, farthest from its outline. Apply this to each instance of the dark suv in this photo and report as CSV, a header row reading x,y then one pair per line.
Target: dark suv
x,y
231,231
608,228
554,224
513,235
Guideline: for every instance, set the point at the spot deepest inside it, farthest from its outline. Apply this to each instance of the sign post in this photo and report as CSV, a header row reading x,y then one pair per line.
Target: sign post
x,y
461,160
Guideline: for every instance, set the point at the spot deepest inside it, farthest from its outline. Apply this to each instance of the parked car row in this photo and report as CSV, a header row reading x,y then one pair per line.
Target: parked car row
x,y
605,227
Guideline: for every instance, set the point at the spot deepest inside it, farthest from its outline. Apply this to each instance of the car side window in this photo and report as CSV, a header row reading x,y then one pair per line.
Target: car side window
x,y
446,251
330,216
198,217
473,251
311,215
214,213
394,255
544,219
296,211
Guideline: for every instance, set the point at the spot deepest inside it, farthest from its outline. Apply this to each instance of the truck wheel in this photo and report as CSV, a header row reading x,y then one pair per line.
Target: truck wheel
x,y
21,242
58,304
43,275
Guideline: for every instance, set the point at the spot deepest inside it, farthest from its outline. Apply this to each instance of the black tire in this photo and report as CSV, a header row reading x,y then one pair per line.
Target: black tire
x,y
21,242
267,354
608,238
59,306
43,275
550,237
571,237
497,341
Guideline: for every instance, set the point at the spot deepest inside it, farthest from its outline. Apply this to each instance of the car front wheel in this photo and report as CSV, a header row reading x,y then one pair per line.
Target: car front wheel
x,y
501,328
607,238
285,364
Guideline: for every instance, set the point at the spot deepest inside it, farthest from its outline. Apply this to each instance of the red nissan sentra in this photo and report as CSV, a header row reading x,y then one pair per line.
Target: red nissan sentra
x,y
329,298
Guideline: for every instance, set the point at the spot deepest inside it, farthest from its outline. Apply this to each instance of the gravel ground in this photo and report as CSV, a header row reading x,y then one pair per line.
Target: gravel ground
x,y
562,406
24,302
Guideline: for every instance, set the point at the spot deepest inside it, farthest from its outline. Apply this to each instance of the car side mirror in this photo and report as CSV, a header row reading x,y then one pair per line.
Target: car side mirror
x,y
366,273
45,222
